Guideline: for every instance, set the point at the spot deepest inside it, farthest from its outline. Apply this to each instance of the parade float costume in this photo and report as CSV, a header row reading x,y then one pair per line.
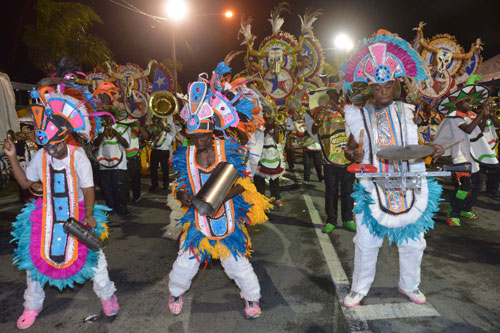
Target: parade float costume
x,y
285,65
471,148
401,217
47,253
213,105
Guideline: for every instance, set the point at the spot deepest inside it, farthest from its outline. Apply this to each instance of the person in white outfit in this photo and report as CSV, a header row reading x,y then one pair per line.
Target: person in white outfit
x,y
403,216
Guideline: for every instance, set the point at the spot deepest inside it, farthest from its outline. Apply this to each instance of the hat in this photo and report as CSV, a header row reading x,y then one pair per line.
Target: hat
x,y
382,58
475,92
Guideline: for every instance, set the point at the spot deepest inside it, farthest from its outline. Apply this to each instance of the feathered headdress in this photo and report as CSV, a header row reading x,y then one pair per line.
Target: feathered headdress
x,y
216,104
62,106
380,59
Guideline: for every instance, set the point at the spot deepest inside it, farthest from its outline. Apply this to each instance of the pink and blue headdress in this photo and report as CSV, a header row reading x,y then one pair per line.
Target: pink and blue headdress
x,y
215,104
382,58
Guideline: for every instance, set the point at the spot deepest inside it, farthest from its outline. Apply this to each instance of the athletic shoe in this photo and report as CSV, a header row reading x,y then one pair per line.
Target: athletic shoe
x,y
110,307
353,299
415,296
350,225
328,228
453,221
252,309
27,318
279,203
136,200
469,215
175,304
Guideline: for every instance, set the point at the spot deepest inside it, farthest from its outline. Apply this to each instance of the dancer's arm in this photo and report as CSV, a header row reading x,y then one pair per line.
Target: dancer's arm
x,y
89,200
10,150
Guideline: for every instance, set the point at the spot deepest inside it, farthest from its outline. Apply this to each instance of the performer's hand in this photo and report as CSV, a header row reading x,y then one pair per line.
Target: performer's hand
x,y
9,148
358,155
438,151
185,198
90,221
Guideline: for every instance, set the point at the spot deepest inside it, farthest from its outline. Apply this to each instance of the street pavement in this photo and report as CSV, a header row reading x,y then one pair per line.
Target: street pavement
x,y
303,274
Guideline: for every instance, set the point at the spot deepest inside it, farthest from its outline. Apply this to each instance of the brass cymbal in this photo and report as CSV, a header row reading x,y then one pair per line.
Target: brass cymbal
x,y
404,153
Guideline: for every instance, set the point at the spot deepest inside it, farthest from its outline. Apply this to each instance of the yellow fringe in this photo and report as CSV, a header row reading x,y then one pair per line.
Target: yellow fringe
x,y
261,204
218,251
105,233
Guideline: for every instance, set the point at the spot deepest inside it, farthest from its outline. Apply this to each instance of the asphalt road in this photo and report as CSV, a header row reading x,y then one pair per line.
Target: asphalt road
x,y
297,267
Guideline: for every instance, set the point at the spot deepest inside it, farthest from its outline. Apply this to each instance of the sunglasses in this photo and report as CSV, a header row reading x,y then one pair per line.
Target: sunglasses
x,y
53,148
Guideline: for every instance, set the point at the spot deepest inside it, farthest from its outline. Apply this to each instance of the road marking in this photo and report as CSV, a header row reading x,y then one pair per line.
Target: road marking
x,y
357,317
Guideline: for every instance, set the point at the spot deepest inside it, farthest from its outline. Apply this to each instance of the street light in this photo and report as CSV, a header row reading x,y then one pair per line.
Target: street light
x,y
343,42
228,14
176,11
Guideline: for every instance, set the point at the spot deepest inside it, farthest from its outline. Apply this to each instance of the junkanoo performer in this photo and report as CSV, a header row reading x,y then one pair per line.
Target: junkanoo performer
x,y
223,236
464,131
402,217
44,250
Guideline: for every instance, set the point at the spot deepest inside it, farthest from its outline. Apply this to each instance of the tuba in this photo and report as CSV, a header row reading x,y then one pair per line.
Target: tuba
x,y
163,103
280,117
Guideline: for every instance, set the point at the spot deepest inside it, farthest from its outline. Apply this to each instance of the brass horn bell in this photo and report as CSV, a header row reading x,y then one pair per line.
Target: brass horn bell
x,y
163,104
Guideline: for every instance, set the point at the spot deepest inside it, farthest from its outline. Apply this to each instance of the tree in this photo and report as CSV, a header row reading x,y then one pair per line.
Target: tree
x,y
61,29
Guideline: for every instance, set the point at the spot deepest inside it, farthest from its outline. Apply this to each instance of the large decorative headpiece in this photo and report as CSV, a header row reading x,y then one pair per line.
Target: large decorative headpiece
x,y
474,93
382,58
62,106
215,104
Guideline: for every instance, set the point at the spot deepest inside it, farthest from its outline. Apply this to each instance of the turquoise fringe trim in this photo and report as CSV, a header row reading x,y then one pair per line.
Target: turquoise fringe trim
x,y
22,259
401,234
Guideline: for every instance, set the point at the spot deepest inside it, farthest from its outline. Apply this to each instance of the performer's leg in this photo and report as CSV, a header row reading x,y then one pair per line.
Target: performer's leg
x,y
241,271
317,164
476,184
410,259
307,165
458,201
153,168
274,186
104,288
121,177
183,271
331,193
107,187
34,294
165,155
365,258
134,171
33,301
346,187
260,184
492,181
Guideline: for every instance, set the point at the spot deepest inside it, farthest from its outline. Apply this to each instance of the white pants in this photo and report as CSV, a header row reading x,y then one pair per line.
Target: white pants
x,y
365,260
103,286
241,271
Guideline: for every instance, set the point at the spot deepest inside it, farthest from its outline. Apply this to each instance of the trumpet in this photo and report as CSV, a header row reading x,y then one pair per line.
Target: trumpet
x,y
19,136
280,118
108,132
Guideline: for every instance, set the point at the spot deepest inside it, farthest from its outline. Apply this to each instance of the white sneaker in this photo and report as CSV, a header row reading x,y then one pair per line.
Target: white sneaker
x,y
415,296
353,299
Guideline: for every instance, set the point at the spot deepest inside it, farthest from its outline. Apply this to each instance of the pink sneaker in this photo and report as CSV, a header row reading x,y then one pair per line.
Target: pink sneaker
x,y
175,304
27,318
252,309
110,306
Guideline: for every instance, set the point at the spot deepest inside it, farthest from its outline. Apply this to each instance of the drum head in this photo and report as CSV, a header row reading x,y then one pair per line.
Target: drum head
x,y
405,153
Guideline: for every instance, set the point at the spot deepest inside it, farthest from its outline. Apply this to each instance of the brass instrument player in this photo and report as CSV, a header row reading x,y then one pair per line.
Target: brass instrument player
x,y
329,128
162,133
112,142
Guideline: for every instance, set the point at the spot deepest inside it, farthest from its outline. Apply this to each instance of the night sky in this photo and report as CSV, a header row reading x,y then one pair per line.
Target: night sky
x,y
136,38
